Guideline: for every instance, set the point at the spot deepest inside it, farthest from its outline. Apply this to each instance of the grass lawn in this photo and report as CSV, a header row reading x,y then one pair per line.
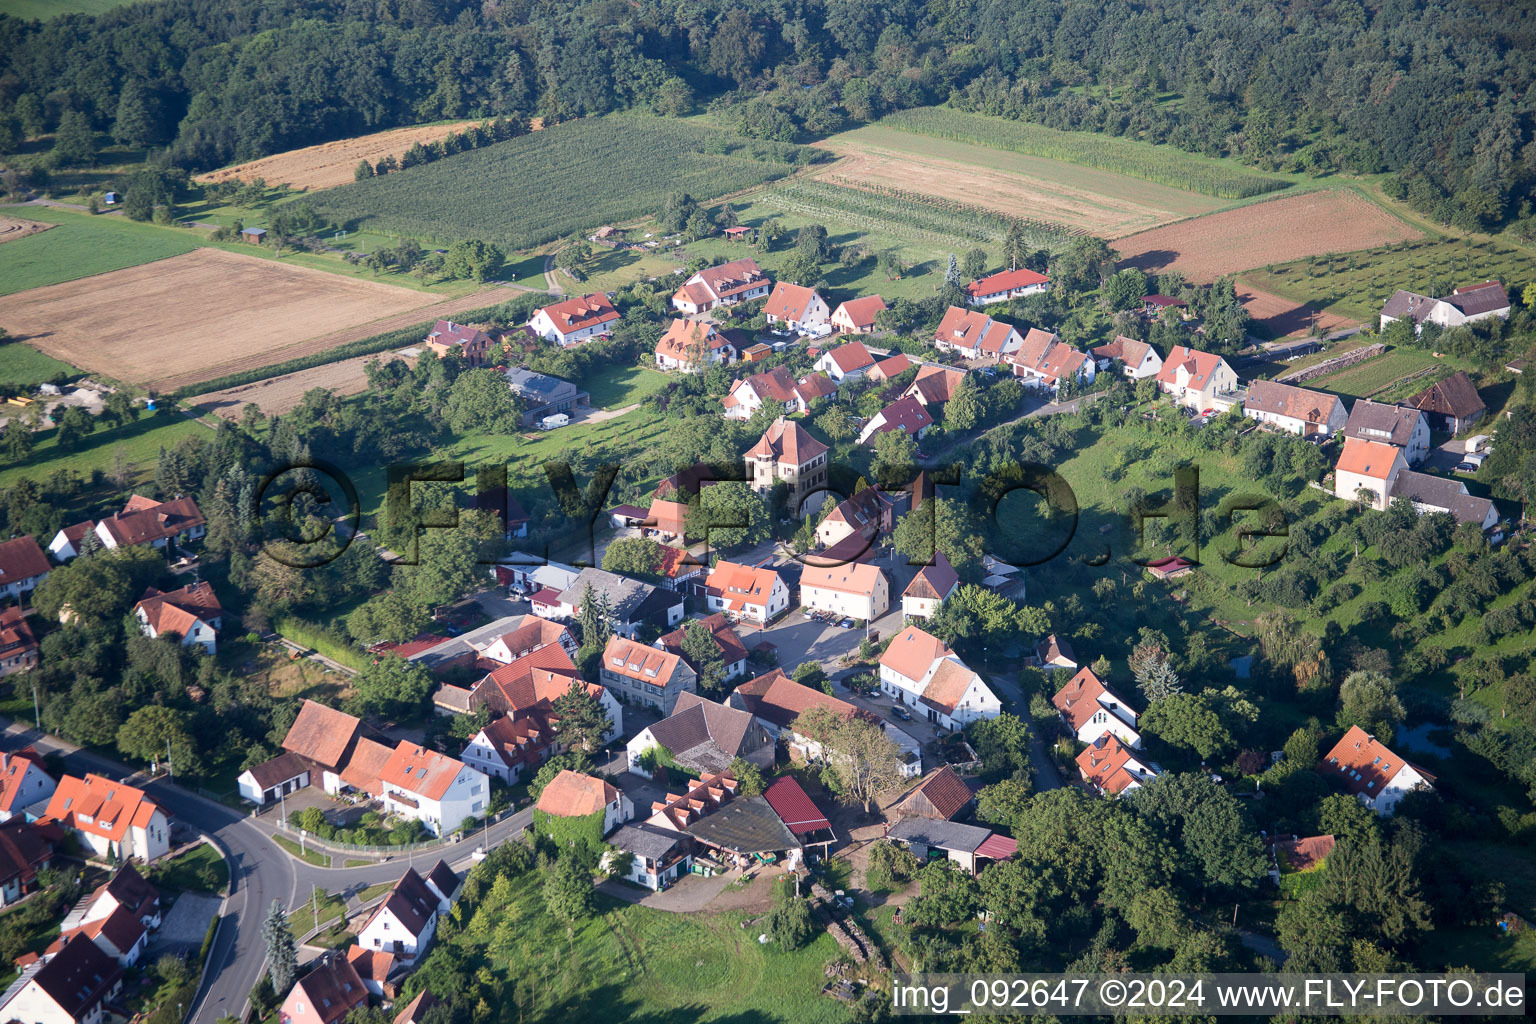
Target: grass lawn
x,y
307,856
357,862
529,271
26,366
621,386
82,246
374,891
139,441
1356,284
1365,379
632,962
30,9
611,269
186,871
321,909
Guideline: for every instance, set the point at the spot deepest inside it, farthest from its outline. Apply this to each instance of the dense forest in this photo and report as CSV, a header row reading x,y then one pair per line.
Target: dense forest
x,y
1438,92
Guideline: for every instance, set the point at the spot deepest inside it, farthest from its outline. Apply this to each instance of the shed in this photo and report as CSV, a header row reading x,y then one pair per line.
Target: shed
x,y
744,830
799,813
253,234
937,840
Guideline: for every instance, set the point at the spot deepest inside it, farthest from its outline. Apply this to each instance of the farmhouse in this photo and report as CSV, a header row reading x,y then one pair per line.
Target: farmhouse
x,y
787,453
470,345
70,986
110,818
1452,405
646,675
690,345
850,361
1397,425
1112,768
800,309
1137,358
658,855
701,736
142,521
437,790
1292,409
934,385
543,395
1464,305
192,613
1372,773
1089,709
700,797
857,316
1197,380
733,653
1367,466
575,320
975,335
22,567
507,748
929,588
922,672
574,795
1005,285
906,415
729,283
18,645
858,591
754,593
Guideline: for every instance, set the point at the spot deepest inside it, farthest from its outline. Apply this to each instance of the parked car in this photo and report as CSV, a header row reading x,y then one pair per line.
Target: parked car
x,y
809,613
846,624
1466,467
1207,413
901,713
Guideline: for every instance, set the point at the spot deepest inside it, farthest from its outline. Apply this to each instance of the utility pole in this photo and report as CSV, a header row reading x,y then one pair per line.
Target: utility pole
x,y
37,716
168,773
314,904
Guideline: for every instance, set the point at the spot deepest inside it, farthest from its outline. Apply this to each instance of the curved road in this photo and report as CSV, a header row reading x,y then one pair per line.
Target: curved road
x,y
260,870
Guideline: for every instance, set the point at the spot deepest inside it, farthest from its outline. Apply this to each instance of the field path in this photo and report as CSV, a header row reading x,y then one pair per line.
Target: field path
x,y
393,322
277,395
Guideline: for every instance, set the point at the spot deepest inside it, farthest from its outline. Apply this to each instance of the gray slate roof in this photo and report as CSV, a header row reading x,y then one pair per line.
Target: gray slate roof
x,y
745,825
1441,493
704,736
625,596
1375,421
944,835
644,840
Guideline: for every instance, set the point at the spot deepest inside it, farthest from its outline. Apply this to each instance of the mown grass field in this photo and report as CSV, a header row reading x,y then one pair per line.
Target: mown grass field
x,y
82,246
1164,165
635,963
26,366
554,182
1365,379
139,442
29,10
1356,284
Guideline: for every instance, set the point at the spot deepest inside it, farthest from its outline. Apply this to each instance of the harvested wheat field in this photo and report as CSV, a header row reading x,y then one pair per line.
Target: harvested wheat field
x,y
195,316
333,163
1275,231
12,228
1282,316
277,395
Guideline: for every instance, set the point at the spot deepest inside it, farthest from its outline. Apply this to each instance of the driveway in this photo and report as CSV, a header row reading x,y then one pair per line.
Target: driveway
x,y
1444,458
689,895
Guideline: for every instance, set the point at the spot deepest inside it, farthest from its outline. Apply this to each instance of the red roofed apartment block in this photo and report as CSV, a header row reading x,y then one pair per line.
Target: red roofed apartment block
x,y
729,283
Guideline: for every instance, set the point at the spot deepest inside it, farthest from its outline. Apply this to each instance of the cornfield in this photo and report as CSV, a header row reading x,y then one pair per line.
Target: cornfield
x,y
1162,164
568,178
890,210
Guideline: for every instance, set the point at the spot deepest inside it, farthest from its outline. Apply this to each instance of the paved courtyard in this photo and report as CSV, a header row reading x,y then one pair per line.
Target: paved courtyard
x,y
185,924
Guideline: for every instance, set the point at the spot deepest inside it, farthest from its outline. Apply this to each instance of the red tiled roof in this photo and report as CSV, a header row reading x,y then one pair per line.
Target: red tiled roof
x,y
144,520
418,770
944,789
933,582
893,366
1104,764
100,806
949,683
580,313
1363,763
786,442
635,660
789,301
573,795
906,415
794,807
848,579
13,771
731,648
1128,350
322,734
1078,700
332,989
1372,459
776,698
1199,365
1004,281
1300,853
20,559
852,356
179,611
683,335
912,651
861,312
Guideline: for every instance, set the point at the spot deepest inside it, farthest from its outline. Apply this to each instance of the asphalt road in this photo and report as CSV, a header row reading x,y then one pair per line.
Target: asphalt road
x,y
260,871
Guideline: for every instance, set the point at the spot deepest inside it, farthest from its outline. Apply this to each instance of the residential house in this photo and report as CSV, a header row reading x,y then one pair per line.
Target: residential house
x,y
777,701
469,344
1398,425
1465,305
18,644
787,453
509,748
733,653
1061,363
1367,466
868,514
905,415
858,591
1089,709
755,594
326,738
1111,768
111,819
1027,359
374,966
690,345
1005,285
1294,410
729,283
326,994
25,849
70,541
1372,773
1055,652
404,924
1197,380
576,320
974,335
929,588
942,796
646,675
23,782
857,316
701,736
117,933
1137,358
1452,405
631,603
658,856
1441,494
439,791
923,673
1152,305
192,613
543,395
142,521
127,892
800,309
70,986
892,366
503,504
22,567
529,634
850,361
415,1011
527,688
934,385
574,795
276,778
778,385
